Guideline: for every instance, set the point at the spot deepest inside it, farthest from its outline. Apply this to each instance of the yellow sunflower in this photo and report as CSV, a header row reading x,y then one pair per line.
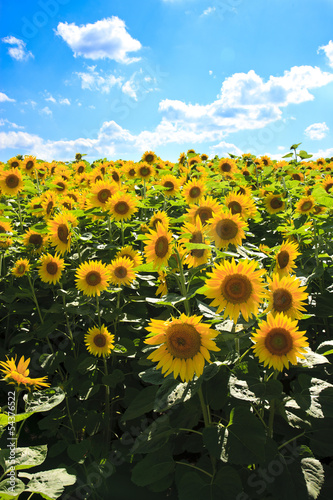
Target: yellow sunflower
x,y
278,342
204,157
328,184
59,185
286,296
149,157
51,268
131,254
265,160
285,258
194,190
184,345
121,271
305,205
158,249
226,166
182,158
5,227
205,209
101,193
144,170
129,170
159,217
92,277
34,241
14,162
21,267
60,231
226,228
171,185
80,168
18,375
99,341
274,203
11,181
28,165
195,234
122,206
241,204
48,203
162,288
236,288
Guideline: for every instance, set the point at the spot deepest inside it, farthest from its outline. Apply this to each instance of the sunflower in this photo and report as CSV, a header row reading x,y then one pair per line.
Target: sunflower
x,y
18,375
28,165
80,168
286,296
182,158
121,271
14,162
193,161
236,288
99,341
274,203
92,277
265,160
285,258
35,206
60,231
48,203
171,185
159,247
101,192
321,161
305,205
226,166
129,170
34,241
240,204
196,256
5,227
5,241
226,228
159,217
11,181
131,254
204,157
278,342
162,288
122,206
51,268
194,190
149,157
204,210
328,184
21,267
184,345
59,184
144,170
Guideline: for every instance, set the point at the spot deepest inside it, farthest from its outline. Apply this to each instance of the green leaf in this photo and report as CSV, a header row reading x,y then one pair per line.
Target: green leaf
x,y
153,467
153,376
154,437
9,491
77,451
49,484
25,458
304,155
171,392
295,146
142,403
43,400
18,418
229,483
321,437
288,155
114,378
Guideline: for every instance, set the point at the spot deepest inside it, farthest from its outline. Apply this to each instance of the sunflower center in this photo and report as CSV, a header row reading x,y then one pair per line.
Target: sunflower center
x,y
128,256
115,176
93,278
282,300
276,202
80,170
15,164
98,178
2,229
306,206
265,162
49,207
29,165
169,185
121,207
283,259
194,192
197,238
246,173
131,172
52,267
104,195
20,269
157,221
235,207
144,171
99,340
61,186
183,341
226,229
63,233
161,246
225,167
36,240
328,187
204,213
296,177
278,341
149,158
236,288
12,181
120,272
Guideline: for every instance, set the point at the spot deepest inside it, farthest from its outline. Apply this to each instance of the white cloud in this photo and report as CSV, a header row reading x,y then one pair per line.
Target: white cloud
x,y
281,148
30,102
224,148
209,10
328,49
128,89
93,80
4,121
65,101
51,99
18,51
316,131
46,111
105,39
5,98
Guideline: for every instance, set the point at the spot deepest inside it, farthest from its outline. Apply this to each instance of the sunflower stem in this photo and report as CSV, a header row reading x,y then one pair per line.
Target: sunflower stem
x,y
195,467
107,408
291,440
144,189
67,321
204,408
98,312
37,182
272,411
122,232
20,213
110,232
182,283
316,241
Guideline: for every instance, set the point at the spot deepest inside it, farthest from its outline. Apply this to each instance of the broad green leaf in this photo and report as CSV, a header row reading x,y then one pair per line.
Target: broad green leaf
x,y
114,378
49,484
154,437
142,403
43,400
25,458
77,451
10,491
18,418
170,393
153,467
295,146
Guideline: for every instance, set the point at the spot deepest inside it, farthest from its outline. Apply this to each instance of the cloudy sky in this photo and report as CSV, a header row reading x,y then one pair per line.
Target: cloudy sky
x,y
116,78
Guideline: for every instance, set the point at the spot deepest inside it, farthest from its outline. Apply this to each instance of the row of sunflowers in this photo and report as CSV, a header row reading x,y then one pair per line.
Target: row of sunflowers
x,y
177,319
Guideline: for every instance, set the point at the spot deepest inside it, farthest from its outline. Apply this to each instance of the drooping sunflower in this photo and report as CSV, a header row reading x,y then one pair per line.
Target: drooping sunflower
x,y
205,209
101,192
278,342
226,228
99,341
305,205
11,181
51,268
285,258
159,217
194,190
92,277
18,375
35,241
286,296
60,231
144,170
241,204
274,203
184,345
149,157
194,234
237,288
171,185
131,254
158,248
28,165
122,206
21,267
121,271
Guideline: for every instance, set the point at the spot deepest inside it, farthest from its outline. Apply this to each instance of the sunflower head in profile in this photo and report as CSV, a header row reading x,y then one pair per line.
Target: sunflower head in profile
x,y
278,342
328,184
17,374
274,203
34,241
21,267
121,271
184,345
286,296
92,277
182,158
205,209
99,341
5,226
60,231
194,190
149,157
305,205
162,288
122,206
48,202
158,247
226,228
159,217
195,233
11,182
285,258
237,288
50,268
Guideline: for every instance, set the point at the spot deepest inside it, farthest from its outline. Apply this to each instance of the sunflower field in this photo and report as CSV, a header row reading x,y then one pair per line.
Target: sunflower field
x,y
167,328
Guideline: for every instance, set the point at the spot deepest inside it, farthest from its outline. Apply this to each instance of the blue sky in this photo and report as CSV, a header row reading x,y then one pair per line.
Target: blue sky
x,y
116,78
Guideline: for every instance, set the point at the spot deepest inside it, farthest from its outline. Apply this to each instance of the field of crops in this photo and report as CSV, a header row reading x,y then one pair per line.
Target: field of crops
x,y
166,328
